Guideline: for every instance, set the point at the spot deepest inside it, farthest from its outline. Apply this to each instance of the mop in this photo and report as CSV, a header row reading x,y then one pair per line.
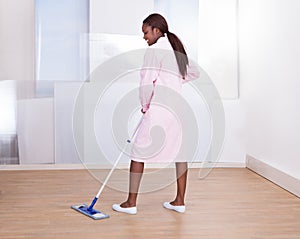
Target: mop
x,y
89,210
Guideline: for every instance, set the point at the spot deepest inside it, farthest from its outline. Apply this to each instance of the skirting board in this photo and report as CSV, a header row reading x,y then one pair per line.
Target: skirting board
x,y
276,176
121,166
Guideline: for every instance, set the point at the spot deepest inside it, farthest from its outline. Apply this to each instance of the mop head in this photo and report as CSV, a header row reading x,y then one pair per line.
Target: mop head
x,y
84,209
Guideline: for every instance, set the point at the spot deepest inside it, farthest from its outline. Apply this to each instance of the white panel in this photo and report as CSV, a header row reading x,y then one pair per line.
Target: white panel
x,y
103,47
60,43
218,49
35,129
118,16
209,34
64,99
182,20
114,30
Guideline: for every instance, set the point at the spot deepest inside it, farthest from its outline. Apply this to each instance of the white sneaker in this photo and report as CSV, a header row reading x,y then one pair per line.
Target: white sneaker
x,y
180,209
128,210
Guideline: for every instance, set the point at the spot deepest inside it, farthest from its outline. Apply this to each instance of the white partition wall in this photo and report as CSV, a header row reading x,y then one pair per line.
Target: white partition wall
x,y
64,99
35,127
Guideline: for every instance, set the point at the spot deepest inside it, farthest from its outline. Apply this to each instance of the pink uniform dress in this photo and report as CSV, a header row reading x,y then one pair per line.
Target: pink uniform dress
x,y
159,137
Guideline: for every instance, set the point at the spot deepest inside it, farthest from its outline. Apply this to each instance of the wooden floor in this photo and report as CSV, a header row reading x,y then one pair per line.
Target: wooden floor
x,y
228,203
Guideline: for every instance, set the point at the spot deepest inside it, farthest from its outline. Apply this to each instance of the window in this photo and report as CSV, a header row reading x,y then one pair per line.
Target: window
x,y
61,49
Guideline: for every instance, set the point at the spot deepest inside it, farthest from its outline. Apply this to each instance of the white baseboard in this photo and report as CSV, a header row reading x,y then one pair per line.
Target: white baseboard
x,y
276,176
108,166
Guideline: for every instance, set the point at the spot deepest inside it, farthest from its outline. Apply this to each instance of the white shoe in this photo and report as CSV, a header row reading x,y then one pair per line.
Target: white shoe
x,y
128,210
180,209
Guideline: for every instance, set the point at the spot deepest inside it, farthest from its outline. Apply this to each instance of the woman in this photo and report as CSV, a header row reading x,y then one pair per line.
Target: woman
x,y
162,76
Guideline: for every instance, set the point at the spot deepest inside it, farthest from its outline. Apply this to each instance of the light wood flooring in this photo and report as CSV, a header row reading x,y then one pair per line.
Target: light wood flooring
x,y
228,203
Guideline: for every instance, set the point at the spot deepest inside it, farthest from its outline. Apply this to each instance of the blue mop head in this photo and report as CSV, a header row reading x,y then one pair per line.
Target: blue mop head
x,y
84,209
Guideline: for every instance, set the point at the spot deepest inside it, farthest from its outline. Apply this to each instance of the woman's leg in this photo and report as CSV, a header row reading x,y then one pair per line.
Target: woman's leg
x,y
181,174
136,173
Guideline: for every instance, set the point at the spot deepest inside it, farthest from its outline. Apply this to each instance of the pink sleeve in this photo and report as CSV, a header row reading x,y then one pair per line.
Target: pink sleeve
x,y
193,72
148,74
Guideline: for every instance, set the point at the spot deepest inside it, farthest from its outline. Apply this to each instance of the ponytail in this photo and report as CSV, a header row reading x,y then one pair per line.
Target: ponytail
x,y
155,20
180,54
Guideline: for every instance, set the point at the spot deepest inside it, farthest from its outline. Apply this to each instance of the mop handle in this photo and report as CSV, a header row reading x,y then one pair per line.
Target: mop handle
x,y
118,159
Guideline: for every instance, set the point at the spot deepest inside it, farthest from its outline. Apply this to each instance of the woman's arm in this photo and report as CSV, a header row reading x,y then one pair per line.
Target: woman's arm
x,y
149,74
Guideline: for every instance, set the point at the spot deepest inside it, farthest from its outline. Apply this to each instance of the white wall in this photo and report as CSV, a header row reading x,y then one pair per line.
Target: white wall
x,y
270,86
17,40
17,45
234,149
16,57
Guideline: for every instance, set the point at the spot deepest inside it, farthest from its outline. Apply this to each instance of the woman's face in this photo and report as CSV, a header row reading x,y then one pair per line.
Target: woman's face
x,y
150,35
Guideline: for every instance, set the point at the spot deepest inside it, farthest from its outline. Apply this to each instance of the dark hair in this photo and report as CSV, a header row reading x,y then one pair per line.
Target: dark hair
x,y
156,20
